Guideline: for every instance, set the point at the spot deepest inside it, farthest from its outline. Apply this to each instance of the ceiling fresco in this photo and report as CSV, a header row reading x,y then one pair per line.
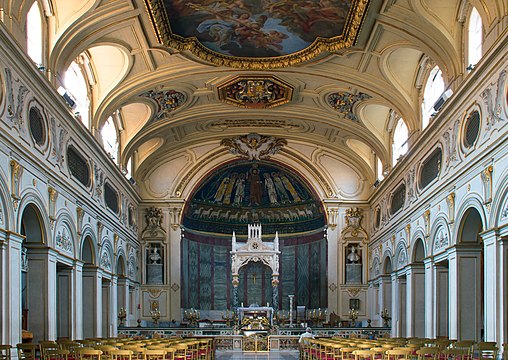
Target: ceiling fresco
x,y
257,29
246,192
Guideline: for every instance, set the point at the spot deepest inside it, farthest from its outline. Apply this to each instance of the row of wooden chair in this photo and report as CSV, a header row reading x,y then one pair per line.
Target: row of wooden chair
x,y
397,349
115,349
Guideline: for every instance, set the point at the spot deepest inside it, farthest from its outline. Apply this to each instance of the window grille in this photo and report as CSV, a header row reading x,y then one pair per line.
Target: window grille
x,y
398,199
111,197
472,129
36,123
78,166
430,168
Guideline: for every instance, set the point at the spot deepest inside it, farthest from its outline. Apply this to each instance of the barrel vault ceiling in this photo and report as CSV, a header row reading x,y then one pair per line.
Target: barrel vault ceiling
x,y
179,97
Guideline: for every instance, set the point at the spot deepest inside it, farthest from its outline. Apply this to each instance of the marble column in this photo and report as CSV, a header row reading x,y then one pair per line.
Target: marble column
x,y
275,293
42,316
415,290
235,282
77,310
92,302
10,283
430,329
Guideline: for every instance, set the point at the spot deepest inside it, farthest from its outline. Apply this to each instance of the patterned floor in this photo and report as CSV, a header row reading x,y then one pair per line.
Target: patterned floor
x,y
273,355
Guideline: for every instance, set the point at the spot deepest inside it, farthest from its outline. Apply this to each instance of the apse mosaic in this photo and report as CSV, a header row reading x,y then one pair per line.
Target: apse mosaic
x,y
247,192
256,29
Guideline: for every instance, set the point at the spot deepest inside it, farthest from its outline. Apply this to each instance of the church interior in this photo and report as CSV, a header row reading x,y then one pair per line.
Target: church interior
x,y
219,175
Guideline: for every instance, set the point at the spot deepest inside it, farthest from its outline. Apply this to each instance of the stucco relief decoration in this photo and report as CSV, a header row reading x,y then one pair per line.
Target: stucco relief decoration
x,y
354,218
450,141
64,240
441,240
256,92
375,268
167,101
494,101
343,103
15,106
254,146
59,142
16,173
106,260
153,218
402,258
99,181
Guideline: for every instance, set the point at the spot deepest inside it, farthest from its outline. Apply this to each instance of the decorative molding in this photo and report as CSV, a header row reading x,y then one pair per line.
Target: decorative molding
x,y
450,201
99,182
100,228
53,195
174,217
343,103
426,218
116,238
254,146
441,240
321,45
167,102
105,260
408,234
15,109
175,287
354,218
154,293
59,143
16,173
80,213
486,175
333,214
64,241
353,292
255,92
494,102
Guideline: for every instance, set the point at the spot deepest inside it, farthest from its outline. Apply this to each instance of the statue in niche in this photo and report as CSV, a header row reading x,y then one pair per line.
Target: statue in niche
x,y
353,257
155,257
353,264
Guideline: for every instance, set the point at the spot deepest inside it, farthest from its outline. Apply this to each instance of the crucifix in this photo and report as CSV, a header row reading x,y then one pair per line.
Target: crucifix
x,y
254,278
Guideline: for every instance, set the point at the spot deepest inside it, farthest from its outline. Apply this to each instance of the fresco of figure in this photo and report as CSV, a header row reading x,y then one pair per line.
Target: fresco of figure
x,y
281,191
270,188
291,188
256,190
240,190
219,194
229,189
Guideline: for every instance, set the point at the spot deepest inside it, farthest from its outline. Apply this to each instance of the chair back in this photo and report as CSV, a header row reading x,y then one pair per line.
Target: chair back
x,y
89,354
5,352
26,351
120,354
59,354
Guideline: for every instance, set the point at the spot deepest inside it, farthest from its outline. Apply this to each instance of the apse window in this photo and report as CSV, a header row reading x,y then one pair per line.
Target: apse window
x,y
110,139
475,39
472,129
34,40
36,123
76,92
400,138
434,88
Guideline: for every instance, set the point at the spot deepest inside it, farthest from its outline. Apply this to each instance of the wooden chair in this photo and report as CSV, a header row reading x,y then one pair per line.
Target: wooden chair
x,y
26,351
487,351
505,351
45,346
346,353
121,354
5,352
59,354
89,354
428,353
364,354
398,354
157,354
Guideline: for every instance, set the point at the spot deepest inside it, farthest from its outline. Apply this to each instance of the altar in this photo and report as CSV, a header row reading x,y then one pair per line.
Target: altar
x,y
255,312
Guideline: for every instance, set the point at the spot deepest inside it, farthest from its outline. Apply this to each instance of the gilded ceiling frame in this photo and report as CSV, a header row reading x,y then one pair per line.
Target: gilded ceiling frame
x,y
162,29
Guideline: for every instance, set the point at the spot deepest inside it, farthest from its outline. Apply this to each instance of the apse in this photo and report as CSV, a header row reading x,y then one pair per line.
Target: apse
x,y
253,192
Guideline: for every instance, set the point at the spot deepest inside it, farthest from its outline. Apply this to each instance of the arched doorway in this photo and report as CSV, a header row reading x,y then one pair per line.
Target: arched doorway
x,y
90,305
417,295
385,287
35,275
470,277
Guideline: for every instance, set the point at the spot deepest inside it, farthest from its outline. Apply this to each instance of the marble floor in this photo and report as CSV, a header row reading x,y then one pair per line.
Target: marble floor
x,y
272,355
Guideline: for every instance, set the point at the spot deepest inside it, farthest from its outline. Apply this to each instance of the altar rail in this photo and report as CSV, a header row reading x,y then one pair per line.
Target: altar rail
x,y
228,339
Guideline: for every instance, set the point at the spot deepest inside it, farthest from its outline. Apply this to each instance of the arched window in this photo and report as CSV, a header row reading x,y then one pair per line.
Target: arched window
x,y
475,39
76,86
400,137
433,89
34,38
110,138
379,168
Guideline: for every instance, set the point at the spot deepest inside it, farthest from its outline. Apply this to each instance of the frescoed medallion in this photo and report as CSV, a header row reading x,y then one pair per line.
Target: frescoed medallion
x,y
237,31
